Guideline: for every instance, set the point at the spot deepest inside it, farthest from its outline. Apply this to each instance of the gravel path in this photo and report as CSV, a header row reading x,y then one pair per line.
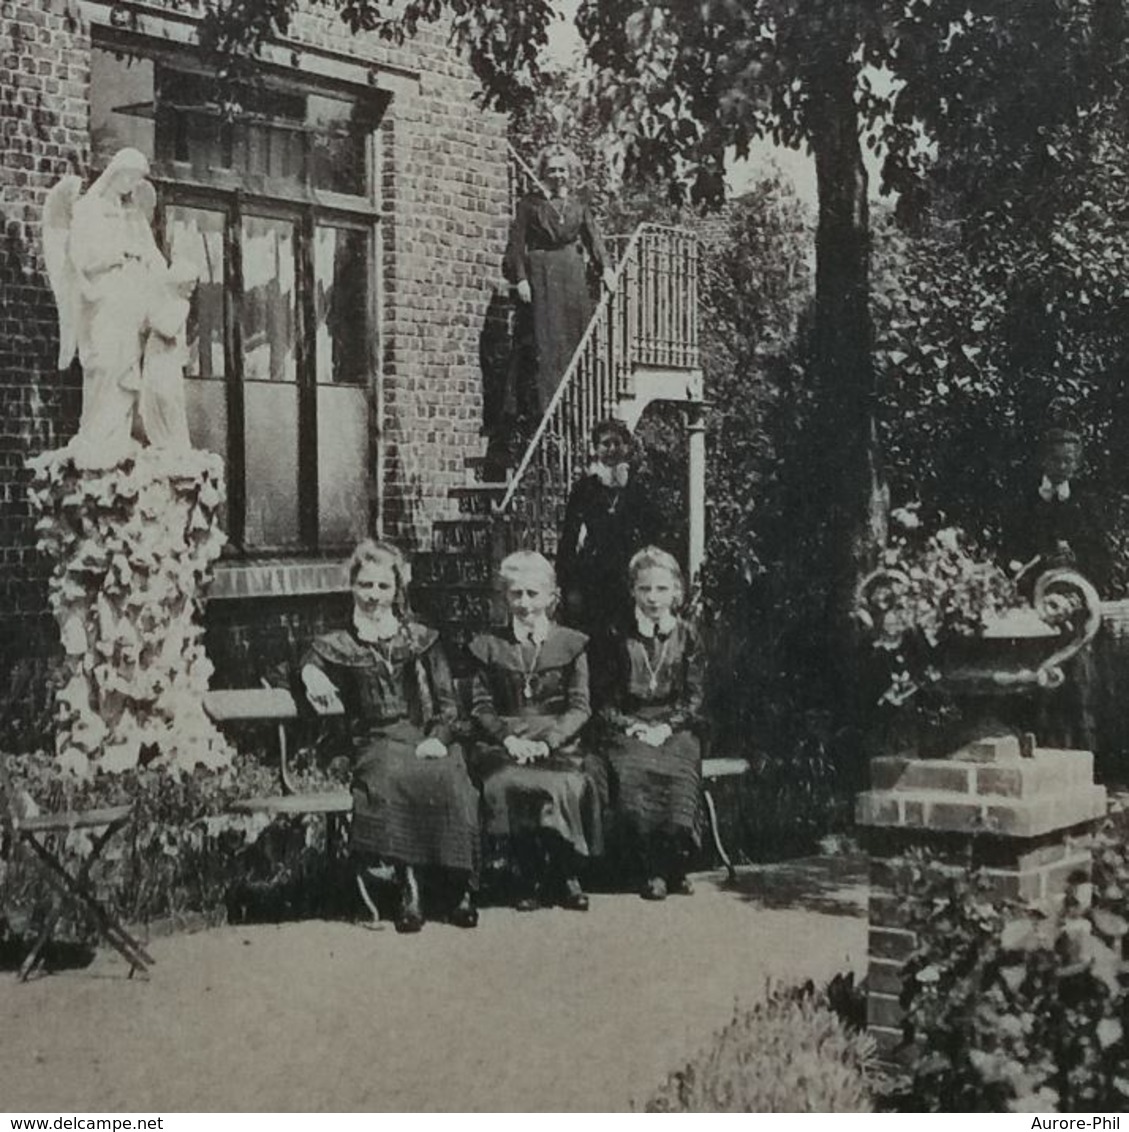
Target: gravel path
x,y
553,1011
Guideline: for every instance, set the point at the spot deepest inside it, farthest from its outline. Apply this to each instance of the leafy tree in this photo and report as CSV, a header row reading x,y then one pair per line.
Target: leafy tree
x,y
995,85
987,327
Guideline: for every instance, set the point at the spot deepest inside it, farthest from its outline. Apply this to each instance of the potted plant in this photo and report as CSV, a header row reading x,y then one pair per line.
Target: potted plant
x,y
953,631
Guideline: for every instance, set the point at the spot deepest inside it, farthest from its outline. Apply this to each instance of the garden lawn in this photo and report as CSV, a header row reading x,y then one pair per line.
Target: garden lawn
x,y
548,1011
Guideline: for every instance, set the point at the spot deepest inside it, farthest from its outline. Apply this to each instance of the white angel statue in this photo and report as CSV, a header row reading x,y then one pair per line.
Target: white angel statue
x,y
114,290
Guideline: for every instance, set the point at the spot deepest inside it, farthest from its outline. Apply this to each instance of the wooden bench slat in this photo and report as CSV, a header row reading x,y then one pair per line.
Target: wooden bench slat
x,y
335,802
226,705
77,819
724,768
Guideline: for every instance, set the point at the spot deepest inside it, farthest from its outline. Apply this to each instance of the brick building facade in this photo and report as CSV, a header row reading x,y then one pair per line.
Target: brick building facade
x,y
350,218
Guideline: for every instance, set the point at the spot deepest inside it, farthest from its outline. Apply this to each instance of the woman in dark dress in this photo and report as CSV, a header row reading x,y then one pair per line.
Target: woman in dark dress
x,y
608,517
414,805
652,725
545,262
542,796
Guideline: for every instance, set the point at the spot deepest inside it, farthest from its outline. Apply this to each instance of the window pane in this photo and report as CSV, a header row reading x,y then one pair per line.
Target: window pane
x,y
337,144
272,464
342,464
270,301
121,104
342,304
273,152
206,402
196,234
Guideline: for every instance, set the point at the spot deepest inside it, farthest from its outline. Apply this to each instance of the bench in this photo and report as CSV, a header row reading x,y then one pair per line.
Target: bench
x,y
276,705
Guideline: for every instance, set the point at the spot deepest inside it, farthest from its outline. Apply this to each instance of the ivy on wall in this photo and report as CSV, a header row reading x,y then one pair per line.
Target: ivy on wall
x,y
133,547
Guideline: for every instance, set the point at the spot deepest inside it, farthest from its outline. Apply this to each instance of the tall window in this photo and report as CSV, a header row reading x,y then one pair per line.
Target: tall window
x,y
270,190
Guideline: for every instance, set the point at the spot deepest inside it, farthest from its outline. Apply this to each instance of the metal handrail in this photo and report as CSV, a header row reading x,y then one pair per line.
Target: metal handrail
x,y
526,168
569,373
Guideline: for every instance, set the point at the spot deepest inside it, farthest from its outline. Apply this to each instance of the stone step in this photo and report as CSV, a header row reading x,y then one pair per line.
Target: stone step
x,y
479,466
478,498
450,568
469,534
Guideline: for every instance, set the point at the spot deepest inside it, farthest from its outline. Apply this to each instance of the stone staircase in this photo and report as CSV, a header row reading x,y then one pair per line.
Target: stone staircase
x,y
640,346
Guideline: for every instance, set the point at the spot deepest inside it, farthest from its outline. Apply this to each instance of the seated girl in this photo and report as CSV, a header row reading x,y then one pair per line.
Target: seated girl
x,y
530,702
414,805
651,720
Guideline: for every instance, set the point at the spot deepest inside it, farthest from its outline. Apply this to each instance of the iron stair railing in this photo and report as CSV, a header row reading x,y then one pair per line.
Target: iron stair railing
x,y
648,321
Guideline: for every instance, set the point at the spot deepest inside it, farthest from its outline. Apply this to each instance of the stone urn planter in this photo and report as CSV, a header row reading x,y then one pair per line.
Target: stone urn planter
x,y
992,799
1023,651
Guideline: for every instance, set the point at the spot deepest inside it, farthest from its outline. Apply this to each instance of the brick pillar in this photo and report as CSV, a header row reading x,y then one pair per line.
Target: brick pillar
x,y
1017,819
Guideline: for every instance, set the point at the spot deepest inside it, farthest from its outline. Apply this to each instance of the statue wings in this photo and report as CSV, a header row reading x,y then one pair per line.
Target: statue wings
x,y
58,211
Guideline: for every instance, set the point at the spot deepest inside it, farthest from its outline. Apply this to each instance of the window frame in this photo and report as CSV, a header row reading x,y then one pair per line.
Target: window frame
x,y
227,191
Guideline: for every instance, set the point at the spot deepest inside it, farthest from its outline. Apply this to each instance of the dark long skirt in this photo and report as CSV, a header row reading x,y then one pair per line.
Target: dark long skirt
x,y
655,790
560,795
414,811
562,307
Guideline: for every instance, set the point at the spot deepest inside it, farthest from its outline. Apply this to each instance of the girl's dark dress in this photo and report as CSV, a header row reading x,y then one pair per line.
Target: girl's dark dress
x,y
544,698
406,810
655,790
546,247
603,527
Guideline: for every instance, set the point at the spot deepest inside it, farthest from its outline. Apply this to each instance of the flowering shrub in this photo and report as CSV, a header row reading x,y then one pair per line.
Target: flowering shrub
x,y
929,589
791,1053
1011,1009
132,547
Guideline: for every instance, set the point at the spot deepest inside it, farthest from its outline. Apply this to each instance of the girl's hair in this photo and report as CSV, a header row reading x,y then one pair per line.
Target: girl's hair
x,y
609,425
558,150
652,558
384,553
525,562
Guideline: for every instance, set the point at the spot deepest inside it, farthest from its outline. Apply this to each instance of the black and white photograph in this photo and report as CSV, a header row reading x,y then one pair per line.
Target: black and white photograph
x,y
564,556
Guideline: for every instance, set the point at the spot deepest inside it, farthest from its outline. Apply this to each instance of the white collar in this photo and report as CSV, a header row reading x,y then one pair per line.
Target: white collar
x,y
1050,491
533,633
647,627
610,477
381,628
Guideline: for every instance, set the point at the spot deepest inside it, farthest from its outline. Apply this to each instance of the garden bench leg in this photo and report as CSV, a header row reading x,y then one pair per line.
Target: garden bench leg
x,y
715,833
362,888
78,888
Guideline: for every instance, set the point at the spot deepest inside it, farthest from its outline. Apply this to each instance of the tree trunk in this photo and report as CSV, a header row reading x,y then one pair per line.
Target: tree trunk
x,y
855,502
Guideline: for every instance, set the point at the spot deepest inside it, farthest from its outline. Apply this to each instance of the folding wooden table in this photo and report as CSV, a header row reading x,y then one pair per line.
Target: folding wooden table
x,y
37,832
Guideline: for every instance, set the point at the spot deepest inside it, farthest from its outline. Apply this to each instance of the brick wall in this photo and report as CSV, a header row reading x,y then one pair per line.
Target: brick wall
x,y
43,135
444,180
1018,821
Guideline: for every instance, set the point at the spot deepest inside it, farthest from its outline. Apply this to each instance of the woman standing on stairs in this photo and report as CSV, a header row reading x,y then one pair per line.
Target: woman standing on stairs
x,y
414,805
545,262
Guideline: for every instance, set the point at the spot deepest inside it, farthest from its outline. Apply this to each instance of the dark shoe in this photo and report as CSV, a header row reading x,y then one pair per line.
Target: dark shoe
x,y
410,918
528,903
407,923
574,897
654,889
465,913
680,886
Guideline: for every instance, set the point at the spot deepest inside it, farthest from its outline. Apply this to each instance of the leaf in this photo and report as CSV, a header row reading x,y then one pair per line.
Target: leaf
x,y
1109,923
